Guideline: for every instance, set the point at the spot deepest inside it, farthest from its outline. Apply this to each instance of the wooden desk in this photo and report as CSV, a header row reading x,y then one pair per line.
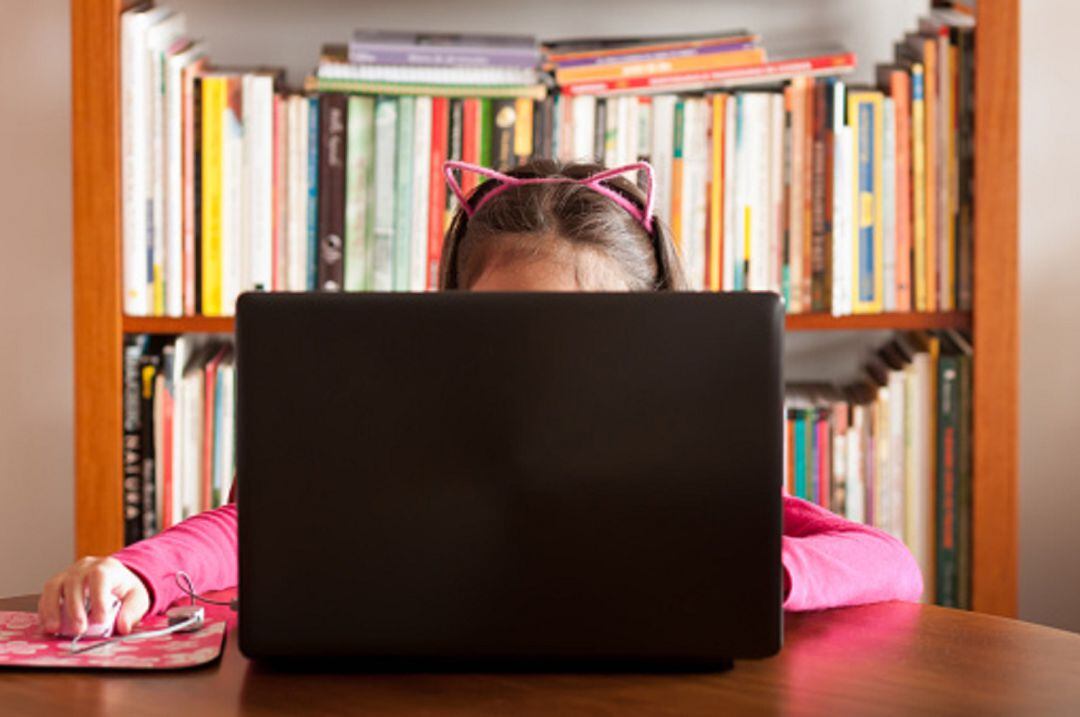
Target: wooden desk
x,y
893,658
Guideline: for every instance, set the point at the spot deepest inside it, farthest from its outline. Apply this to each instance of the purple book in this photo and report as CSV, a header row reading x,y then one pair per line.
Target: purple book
x,y
660,54
441,49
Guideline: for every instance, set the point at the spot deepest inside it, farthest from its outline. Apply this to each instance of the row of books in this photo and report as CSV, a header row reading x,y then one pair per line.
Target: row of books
x,y
179,440
893,450
845,200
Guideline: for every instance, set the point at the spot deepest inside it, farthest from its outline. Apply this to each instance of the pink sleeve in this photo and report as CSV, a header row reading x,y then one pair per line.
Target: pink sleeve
x,y
203,546
832,562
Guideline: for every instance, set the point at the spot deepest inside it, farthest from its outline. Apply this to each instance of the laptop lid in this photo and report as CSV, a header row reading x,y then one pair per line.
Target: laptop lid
x,y
487,476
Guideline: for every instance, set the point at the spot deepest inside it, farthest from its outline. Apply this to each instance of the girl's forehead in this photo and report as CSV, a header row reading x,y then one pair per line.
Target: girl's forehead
x,y
574,270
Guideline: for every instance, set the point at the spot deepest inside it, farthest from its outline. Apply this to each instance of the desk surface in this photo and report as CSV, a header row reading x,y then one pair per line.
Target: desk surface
x,y
889,658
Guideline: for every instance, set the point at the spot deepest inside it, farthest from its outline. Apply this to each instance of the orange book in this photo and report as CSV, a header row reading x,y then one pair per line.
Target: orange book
x,y
933,225
899,86
714,269
643,68
677,175
807,180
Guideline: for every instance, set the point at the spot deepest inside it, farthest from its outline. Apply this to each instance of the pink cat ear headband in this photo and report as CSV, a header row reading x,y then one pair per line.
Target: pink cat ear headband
x,y
594,182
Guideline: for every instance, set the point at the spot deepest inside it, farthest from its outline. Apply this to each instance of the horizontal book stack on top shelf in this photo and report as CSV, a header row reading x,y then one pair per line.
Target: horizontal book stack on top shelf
x,y
230,168
845,200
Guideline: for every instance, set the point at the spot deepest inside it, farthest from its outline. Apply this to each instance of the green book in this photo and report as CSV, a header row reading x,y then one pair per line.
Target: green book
x,y
359,207
948,412
800,453
403,208
382,247
484,120
963,485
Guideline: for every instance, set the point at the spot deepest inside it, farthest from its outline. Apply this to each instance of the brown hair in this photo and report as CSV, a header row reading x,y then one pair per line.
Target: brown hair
x,y
537,217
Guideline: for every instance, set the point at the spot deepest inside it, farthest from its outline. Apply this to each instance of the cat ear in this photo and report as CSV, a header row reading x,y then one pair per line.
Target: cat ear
x,y
450,166
643,215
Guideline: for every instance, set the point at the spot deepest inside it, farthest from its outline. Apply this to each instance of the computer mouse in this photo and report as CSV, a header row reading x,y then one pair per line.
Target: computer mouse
x,y
94,629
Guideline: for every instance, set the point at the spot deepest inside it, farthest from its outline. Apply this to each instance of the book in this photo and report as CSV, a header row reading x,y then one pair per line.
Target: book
x,y
948,399
437,194
438,49
421,203
865,109
631,67
382,255
359,197
371,87
333,116
214,92
132,439
403,200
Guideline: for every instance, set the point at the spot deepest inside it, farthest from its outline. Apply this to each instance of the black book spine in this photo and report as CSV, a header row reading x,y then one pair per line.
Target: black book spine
x,y
966,169
149,366
196,188
332,121
132,441
820,236
503,120
455,133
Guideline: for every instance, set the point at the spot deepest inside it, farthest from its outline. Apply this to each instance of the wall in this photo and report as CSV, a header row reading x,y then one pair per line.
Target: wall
x,y
35,296
1050,316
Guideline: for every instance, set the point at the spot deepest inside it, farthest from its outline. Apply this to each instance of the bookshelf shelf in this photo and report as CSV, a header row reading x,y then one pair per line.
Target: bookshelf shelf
x,y
796,322
99,323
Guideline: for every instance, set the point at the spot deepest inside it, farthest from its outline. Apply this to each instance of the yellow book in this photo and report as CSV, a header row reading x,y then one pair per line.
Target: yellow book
x,y
677,175
214,93
523,127
715,269
918,186
865,116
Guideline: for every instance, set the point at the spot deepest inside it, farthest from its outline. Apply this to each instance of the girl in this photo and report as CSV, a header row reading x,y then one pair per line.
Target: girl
x,y
540,227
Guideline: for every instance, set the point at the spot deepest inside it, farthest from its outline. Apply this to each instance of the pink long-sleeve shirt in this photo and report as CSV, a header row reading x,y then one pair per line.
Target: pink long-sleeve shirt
x,y
828,561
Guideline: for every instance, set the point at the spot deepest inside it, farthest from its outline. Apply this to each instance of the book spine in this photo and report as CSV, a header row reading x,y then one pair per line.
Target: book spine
x,y
602,120
819,231
800,450
730,267
900,90
865,110
470,150
612,51
523,130
757,209
333,110
213,106
279,218
133,103
309,169
421,158
932,148
503,117
963,483
454,144
658,53
484,129
259,129
777,208
149,368
442,56
947,61
715,271
810,464
403,210
614,72
440,111
386,112
919,233
132,440
583,125
947,425
797,106
966,169
663,131
233,238
359,147
888,204
833,64
677,160
194,299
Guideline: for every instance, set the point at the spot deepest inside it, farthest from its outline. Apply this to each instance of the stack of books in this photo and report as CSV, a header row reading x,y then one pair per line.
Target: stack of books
x,y
771,171
893,450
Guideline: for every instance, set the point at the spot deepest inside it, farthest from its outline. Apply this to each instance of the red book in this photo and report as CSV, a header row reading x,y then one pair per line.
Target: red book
x,y
440,110
830,63
470,147
824,455
900,91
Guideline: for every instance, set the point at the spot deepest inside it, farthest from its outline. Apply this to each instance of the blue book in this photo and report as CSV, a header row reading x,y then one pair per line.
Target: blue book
x,y
800,453
313,193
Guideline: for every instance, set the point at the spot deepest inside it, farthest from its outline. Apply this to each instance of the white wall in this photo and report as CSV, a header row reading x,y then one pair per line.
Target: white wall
x,y
35,296
1050,315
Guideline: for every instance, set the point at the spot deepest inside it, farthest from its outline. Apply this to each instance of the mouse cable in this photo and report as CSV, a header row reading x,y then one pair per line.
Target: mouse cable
x,y
187,586
191,623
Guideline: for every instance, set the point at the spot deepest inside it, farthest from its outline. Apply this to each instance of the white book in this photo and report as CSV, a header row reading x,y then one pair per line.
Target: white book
x,y
629,116
174,176
258,148
888,204
233,238
135,153
757,209
775,278
740,187
855,505
192,446
897,452
609,154
585,149
227,387
694,206
385,184
428,74
920,500
730,129
644,129
159,40
662,152
296,241
882,495
842,221
185,347
418,248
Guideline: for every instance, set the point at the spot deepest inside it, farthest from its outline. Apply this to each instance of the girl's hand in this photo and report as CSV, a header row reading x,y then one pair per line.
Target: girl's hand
x,y
98,578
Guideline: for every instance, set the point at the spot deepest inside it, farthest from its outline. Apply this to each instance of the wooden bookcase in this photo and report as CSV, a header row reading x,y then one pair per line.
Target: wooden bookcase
x,y
100,325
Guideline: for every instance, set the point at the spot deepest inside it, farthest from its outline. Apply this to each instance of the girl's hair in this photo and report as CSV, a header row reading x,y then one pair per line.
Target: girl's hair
x,y
528,221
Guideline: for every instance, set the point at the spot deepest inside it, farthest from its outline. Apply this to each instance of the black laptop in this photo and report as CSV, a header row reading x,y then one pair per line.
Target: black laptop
x,y
504,478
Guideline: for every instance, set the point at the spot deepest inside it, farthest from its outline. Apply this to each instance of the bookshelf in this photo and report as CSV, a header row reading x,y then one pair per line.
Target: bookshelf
x,y
99,324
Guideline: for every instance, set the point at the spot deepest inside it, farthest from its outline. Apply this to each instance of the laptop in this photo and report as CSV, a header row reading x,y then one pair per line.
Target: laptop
x,y
560,478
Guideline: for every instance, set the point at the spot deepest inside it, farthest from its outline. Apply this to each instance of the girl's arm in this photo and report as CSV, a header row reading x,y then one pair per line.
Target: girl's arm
x,y
832,562
203,546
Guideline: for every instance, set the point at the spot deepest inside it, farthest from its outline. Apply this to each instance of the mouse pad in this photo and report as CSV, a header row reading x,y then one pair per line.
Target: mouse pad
x,y
23,644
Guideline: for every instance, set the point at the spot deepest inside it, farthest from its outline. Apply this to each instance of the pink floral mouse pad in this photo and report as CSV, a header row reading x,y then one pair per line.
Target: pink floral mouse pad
x,y
23,644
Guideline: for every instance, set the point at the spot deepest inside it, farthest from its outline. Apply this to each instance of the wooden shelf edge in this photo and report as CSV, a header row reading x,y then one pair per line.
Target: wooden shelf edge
x,y
794,322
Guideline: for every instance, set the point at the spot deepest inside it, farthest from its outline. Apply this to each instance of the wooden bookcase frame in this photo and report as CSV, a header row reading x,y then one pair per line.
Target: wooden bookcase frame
x,y
99,323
